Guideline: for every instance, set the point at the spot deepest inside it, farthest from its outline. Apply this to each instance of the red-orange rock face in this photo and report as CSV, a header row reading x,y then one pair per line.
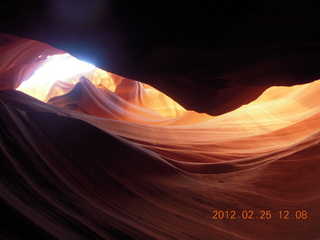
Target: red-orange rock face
x,y
106,155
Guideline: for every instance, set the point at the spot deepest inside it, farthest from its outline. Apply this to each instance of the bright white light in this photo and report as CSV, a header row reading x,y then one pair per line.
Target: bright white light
x,y
57,68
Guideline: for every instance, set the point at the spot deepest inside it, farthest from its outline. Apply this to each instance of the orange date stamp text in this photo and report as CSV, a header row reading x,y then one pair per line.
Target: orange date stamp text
x,y
261,214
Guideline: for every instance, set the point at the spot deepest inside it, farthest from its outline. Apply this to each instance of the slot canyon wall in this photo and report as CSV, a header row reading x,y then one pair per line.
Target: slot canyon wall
x,y
200,122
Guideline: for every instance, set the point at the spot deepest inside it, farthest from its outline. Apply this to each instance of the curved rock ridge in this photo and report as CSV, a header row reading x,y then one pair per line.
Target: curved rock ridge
x,y
206,125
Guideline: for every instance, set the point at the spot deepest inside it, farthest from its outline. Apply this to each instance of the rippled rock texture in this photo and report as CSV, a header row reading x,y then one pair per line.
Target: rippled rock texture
x,y
105,155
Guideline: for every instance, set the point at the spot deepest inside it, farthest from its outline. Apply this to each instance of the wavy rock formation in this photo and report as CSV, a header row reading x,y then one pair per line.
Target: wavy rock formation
x,y
105,155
